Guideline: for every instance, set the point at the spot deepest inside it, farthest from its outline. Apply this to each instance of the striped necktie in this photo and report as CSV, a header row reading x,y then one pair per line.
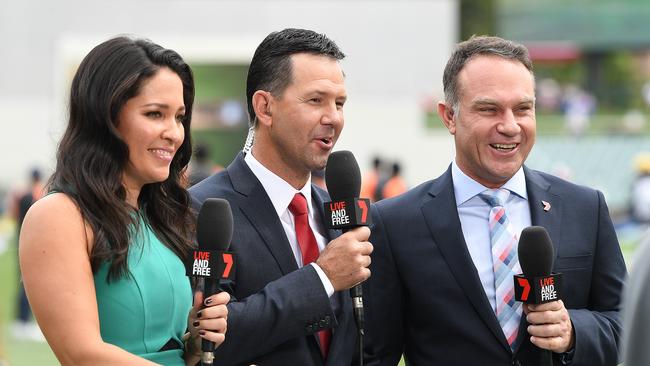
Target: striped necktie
x,y
503,239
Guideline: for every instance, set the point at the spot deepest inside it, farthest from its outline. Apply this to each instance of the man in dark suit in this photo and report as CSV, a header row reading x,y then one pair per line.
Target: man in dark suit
x,y
445,252
636,320
290,308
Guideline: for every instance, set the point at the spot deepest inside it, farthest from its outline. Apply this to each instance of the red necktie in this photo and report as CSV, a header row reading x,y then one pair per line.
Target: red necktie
x,y
309,250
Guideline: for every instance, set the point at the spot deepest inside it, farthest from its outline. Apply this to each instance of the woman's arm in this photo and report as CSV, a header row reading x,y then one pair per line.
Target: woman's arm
x,y
54,259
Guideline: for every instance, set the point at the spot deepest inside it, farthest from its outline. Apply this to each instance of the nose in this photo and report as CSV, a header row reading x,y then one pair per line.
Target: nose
x,y
333,115
174,132
509,126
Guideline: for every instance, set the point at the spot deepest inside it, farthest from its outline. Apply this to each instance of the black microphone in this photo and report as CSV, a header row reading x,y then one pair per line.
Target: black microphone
x,y
211,261
347,211
537,285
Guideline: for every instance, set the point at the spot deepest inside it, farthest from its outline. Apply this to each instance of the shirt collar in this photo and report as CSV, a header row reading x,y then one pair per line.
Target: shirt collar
x,y
465,187
279,191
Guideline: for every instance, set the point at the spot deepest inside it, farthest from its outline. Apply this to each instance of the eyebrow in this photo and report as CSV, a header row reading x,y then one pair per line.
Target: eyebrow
x,y
161,105
321,93
487,101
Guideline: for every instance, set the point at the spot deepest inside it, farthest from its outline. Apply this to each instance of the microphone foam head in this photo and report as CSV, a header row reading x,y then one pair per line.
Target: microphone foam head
x,y
342,176
535,252
214,225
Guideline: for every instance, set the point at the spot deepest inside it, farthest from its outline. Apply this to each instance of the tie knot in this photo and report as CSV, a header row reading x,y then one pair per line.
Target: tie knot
x,y
298,205
495,197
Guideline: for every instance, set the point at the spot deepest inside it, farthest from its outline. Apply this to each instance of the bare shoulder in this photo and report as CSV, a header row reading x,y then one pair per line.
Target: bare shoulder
x,y
52,220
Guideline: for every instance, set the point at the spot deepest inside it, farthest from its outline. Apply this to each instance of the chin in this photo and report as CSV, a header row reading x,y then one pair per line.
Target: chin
x,y
159,178
319,165
316,162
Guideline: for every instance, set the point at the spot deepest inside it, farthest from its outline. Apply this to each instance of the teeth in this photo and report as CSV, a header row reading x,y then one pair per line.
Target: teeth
x,y
505,147
161,152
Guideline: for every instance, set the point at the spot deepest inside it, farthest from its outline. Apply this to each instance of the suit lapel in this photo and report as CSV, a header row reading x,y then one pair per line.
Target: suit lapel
x,y
259,210
545,211
341,301
319,197
539,196
441,216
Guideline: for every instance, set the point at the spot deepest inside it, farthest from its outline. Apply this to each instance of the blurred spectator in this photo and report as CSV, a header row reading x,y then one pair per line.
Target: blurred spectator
x,y
578,107
640,196
23,327
395,185
201,166
633,121
549,95
371,180
3,200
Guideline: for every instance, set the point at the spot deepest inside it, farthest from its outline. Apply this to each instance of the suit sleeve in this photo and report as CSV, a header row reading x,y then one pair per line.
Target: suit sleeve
x,y
383,344
636,323
294,305
598,327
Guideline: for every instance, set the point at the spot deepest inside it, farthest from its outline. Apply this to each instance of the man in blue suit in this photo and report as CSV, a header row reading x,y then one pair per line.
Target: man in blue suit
x,y
445,252
290,307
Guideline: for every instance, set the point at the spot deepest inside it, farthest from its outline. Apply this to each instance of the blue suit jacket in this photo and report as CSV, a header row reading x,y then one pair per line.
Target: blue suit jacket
x,y
425,298
278,307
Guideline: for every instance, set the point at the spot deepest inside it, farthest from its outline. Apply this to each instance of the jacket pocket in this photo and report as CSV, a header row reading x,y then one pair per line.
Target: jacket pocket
x,y
573,263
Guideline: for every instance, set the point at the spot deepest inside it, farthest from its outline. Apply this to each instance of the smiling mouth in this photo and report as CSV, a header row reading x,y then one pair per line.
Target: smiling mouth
x,y
504,147
163,154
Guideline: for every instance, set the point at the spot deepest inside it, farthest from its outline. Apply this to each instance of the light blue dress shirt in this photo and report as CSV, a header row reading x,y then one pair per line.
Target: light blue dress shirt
x,y
474,215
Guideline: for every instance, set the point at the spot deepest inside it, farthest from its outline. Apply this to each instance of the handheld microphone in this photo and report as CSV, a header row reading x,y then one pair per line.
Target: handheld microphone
x,y
211,261
347,211
537,285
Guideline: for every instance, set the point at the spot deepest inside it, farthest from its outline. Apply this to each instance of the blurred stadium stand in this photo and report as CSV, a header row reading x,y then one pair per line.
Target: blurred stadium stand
x,y
602,162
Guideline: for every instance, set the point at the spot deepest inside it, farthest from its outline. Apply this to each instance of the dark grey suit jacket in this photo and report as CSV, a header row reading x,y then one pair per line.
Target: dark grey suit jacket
x,y
636,312
425,298
278,307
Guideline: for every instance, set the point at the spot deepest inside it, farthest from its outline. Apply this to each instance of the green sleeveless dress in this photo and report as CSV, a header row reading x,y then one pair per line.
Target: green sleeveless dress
x,y
143,311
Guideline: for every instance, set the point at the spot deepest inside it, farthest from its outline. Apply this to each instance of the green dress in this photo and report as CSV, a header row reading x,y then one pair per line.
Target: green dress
x,y
143,311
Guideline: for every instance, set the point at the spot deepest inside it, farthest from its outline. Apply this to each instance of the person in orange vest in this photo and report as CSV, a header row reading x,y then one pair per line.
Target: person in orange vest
x,y
370,181
395,185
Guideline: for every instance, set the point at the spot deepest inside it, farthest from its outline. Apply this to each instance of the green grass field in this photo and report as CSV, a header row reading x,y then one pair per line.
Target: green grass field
x,y
28,353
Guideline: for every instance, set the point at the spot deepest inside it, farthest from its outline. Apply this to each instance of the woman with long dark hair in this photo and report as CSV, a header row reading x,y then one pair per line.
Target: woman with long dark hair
x,y
101,254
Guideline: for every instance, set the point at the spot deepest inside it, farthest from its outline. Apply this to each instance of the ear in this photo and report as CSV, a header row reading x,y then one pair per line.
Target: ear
x,y
446,114
262,103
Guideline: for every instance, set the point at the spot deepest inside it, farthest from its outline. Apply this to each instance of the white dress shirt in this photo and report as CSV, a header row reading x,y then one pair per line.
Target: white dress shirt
x,y
281,193
474,216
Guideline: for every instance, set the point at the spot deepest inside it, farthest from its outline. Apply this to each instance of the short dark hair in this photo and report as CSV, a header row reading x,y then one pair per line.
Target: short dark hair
x,y
92,156
271,68
479,45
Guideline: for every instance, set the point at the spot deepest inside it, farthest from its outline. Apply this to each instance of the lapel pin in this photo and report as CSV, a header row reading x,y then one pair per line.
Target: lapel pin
x,y
547,206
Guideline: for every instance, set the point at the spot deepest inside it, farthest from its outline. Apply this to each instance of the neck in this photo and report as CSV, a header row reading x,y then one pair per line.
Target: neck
x,y
275,162
132,194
